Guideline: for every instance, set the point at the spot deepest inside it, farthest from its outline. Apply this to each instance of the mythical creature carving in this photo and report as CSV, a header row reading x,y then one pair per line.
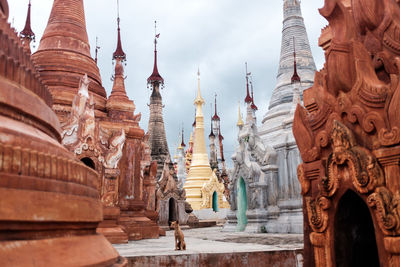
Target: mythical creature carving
x,y
115,150
365,172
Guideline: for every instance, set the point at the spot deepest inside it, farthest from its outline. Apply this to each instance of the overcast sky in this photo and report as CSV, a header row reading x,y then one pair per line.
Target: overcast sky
x,y
217,36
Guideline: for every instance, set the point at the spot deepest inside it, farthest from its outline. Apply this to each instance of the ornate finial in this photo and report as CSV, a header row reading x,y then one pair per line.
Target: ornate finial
x,y
183,137
118,13
215,117
295,77
240,122
27,32
248,98
194,122
211,128
119,53
253,106
199,99
97,49
155,77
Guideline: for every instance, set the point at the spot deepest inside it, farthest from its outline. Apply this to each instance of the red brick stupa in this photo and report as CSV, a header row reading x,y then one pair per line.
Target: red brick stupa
x,y
49,201
63,57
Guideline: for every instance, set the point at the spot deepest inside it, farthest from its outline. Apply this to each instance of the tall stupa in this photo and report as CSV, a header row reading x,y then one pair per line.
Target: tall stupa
x,y
296,73
63,57
203,190
158,139
200,170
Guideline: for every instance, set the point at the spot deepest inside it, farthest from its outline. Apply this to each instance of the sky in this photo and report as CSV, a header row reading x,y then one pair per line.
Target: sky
x,y
216,36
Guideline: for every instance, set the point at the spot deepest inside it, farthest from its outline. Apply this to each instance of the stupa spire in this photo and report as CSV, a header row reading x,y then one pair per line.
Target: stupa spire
x,y
118,99
155,77
183,139
118,89
211,130
199,101
27,35
119,52
248,97
253,106
295,77
240,122
215,117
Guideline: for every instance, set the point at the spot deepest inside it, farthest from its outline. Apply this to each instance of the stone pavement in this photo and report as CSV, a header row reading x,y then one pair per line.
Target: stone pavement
x,y
211,240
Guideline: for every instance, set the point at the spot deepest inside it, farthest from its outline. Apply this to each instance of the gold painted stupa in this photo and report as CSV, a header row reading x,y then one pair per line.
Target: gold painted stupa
x,y
200,172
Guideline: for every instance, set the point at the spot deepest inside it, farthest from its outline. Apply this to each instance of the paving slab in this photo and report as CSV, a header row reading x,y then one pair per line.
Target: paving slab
x,y
211,240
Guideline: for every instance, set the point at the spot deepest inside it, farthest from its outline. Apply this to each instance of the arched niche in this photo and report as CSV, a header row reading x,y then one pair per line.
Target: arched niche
x,y
89,162
215,201
241,204
171,210
355,243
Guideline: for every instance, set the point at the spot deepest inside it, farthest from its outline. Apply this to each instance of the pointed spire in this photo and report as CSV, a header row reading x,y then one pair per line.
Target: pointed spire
x,y
240,122
119,56
215,117
155,77
27,34
27,31
211,128
295,77
194,122
118,99
183,139
248,98
199,99
179,146
96,51
119,53
191,138
253,106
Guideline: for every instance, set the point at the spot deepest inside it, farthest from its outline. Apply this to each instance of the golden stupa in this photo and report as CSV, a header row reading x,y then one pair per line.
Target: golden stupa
x,y
200,174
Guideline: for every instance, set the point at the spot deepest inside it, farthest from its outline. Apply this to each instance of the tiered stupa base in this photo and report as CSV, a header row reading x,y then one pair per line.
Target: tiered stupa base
x,y
110,228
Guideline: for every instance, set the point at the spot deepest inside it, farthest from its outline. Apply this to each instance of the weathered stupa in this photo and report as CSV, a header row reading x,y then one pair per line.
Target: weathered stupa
x,y
158,140
170,199
49,200
203,190
276,129
63,57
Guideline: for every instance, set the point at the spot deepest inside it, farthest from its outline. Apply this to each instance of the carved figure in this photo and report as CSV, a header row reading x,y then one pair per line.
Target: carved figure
x,y
115,150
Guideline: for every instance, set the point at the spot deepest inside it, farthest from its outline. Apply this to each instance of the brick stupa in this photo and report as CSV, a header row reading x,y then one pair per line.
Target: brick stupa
x,y
63,57
49,201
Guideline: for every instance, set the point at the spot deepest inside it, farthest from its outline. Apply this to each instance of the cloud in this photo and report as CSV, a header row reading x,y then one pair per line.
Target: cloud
x,y
217,36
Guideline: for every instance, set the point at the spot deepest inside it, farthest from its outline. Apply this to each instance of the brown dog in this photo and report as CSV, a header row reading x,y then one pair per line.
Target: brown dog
x,y
179,238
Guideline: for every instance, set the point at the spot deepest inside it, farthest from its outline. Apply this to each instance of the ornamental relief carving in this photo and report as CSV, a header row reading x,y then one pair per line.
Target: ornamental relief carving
x,y
350,121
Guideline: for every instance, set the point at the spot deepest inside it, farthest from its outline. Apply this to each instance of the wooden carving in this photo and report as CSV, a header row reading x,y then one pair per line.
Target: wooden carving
x,y
348,131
